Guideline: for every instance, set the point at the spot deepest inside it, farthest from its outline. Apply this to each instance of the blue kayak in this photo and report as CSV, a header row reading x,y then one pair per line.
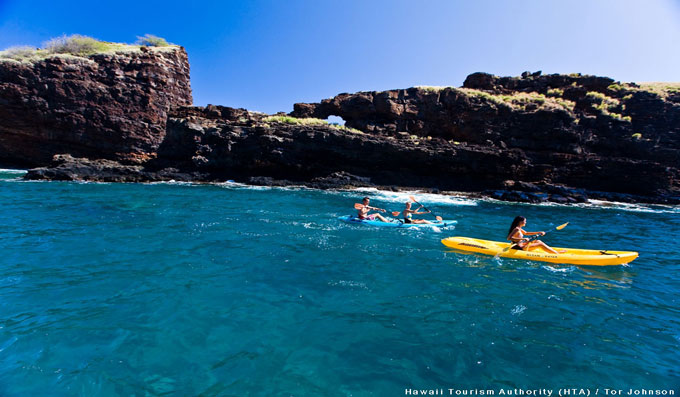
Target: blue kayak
x,y
396,223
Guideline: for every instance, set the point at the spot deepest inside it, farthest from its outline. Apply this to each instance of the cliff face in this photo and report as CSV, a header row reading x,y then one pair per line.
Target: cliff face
x,y
111,106
582,131
125,117
219,143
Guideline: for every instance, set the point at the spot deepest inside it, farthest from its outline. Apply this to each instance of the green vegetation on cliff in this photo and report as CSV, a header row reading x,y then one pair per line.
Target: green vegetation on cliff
x,y
608,106
661,89
521,100
515,101
433,88
294,120
77,46
307,121
555,92
150,40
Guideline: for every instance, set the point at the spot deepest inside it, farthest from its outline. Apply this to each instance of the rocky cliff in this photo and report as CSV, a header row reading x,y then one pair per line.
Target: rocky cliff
x,y
111,106
581,131
219,143
125,117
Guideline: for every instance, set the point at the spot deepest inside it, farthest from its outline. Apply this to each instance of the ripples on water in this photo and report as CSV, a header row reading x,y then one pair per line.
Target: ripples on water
x,y
119,289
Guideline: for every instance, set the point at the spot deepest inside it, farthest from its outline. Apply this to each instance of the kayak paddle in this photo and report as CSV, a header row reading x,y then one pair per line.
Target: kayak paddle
x,y
358,206
439,218
532,238
560,227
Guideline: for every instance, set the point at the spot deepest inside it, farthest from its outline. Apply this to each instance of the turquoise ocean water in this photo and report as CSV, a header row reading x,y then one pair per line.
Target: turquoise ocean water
x,y
177,289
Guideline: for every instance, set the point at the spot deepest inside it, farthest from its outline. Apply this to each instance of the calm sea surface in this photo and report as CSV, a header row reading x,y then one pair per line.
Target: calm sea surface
x,y
177,289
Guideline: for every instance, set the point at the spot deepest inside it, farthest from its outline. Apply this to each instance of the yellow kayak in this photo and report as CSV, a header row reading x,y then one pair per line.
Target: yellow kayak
x,y
572,256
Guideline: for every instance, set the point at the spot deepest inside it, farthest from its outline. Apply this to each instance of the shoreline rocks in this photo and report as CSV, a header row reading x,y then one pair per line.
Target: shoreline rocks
x,y
68,168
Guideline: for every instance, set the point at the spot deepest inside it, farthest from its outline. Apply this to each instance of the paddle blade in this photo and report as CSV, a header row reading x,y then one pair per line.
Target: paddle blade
x,y
439,218
395,213
560,227
358,206
413,199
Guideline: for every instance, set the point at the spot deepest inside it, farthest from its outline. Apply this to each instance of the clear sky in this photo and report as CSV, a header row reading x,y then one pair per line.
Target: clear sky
x,y
267,55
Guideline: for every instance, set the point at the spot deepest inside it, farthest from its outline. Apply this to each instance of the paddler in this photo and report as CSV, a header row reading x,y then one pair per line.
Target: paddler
x,y
516,236
408,214
363,212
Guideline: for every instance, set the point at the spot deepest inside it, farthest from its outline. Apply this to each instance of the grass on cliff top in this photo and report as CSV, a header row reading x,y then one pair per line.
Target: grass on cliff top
x,y
661,89
308,121
516,101
79,46
521,100
432,88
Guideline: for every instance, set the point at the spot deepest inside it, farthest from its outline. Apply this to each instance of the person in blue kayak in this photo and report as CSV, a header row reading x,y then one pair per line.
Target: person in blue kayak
x,y
516,236
363,212
408,214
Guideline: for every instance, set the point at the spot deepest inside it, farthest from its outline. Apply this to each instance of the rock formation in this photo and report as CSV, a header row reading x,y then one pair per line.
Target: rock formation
x,y
111,106
126,117
581,131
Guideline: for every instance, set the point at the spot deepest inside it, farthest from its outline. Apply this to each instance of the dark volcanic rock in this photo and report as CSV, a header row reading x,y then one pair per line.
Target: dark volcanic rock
x,y
536,82
110,106
585,132
533,138
67,168
64,167
338,180
243,148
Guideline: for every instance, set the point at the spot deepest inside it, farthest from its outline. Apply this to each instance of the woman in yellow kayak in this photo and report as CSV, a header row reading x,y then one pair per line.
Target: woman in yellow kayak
x,y
516,236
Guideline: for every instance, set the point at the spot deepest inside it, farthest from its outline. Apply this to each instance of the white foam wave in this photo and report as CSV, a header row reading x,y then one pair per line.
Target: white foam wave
x,y
12,171
174,182
92,183
615,205
231,184
426,198
239,185
600,205
459,200
404,196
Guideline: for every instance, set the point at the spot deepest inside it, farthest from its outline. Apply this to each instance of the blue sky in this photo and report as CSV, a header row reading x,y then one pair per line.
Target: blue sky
x,y
267,55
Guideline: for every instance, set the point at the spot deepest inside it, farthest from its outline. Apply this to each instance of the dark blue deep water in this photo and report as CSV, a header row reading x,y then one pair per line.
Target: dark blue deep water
x,y
171,289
